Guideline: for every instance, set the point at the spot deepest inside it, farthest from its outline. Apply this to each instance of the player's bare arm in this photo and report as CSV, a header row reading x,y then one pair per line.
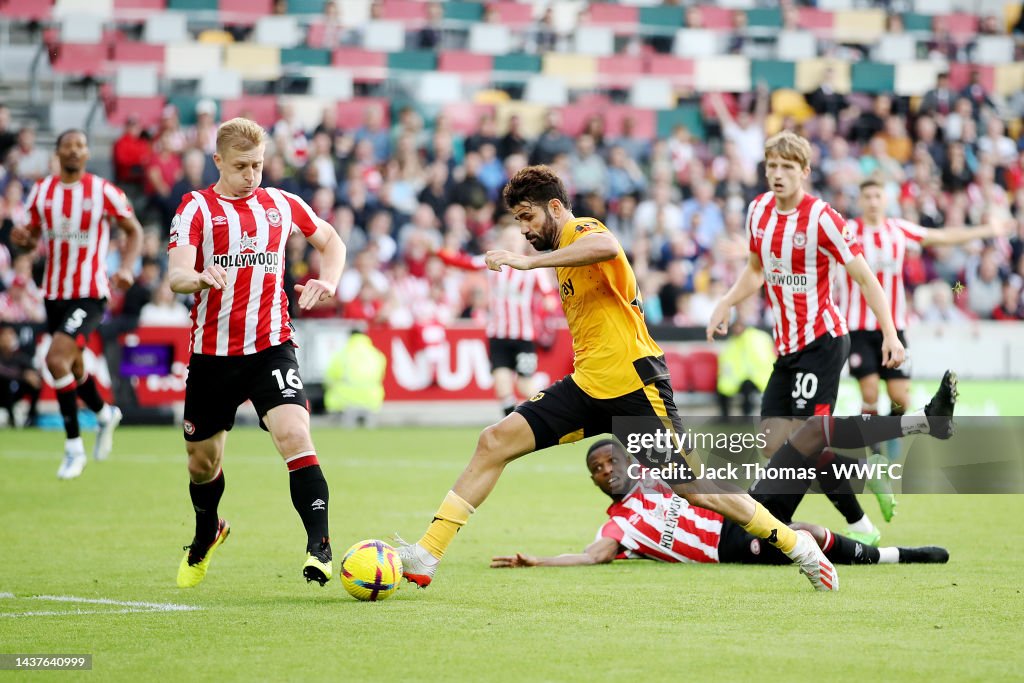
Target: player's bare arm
x,y
947,237
125,276
183,276
893,353
747,284
601,551
585,251
332,250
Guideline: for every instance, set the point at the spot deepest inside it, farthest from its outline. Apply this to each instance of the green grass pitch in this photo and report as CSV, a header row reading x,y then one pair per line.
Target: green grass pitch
x,y
116,533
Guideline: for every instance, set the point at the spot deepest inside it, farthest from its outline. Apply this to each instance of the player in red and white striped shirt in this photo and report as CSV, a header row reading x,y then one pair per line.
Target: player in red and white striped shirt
x,y
227,247
796,240
885,242
648,521
511,333
72,211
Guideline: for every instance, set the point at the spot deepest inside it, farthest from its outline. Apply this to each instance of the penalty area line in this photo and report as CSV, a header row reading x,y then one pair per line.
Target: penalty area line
x,y
127,606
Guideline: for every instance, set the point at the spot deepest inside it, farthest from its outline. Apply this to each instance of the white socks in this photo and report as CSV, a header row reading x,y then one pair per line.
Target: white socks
x,y
862,526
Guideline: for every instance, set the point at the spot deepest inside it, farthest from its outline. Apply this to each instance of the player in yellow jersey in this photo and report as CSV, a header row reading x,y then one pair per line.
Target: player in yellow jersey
x,y
619,373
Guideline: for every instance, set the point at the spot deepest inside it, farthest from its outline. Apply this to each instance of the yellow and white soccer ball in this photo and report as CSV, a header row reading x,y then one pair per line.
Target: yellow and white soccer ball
x,y
371,570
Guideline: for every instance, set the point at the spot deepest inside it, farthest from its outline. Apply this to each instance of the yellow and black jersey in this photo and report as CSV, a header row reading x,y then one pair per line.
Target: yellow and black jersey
x,y
614,354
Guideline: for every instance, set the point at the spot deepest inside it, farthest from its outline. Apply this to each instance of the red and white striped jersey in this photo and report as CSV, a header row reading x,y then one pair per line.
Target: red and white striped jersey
x,y
652,522
799,250
510,294
885,247
76,230
246,236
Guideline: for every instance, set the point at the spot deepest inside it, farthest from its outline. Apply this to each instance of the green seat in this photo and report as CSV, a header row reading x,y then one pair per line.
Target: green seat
x,y
306,6
192,5
764,17
306,56
774,73
518,62
463,11
687,115
917,22
664,17
186,105
872,77
412,60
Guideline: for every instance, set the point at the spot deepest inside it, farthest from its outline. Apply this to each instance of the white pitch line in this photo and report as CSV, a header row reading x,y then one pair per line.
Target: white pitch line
x,y
150,606
76,613
6,595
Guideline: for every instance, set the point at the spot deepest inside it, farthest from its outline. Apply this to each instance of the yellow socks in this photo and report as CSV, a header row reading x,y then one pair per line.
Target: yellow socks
x,y
764,525
449,518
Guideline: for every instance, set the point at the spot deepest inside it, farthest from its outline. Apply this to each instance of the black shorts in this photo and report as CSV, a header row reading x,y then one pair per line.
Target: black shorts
x,y
77,318
564,413
866,356
217,385
518,355
806,382
735,545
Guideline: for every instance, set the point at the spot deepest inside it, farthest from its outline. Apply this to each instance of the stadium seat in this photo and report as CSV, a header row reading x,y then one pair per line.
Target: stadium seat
x,y
678,71
546,90
306,6
619,71
439,88
386,36
146,109
773,73
411,13
246,12
917,23
490,39
810,72
565,16
645,121
192,5
933,7
576,71
698,42
412,60
915,78
575,116
190,60
305,56
80,59
130,52
993,50
215,36
63,9
661,20
280,31
365,66
330,83
308,110
677,368
260,108
28,10
621,19
473,68
253,62
896,48
792,46
727,73
464,117
960,75
220,83
352,113
788,102
716,18
652,93
463,11
702,367
517,66
165,28
516,15
737,4
1009,80
126,10
961,26
598,41
81,28
816,21
872,77
766,18
863,26
137,80
834,5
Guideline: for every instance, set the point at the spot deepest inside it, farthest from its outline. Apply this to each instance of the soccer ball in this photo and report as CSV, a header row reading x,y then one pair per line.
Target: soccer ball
x,y
371,570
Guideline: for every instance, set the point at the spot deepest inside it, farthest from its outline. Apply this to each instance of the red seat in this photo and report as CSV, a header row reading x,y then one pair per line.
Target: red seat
x,y
574,117
79,59
645,121
703,369
27,10
465,116
409,12
260,108
960,25
352,114
960,76
366,66
680,376
244,12
676,69
474,68
716,18
619,71
512,14
137,53
815,20
623,19
146,109
137,10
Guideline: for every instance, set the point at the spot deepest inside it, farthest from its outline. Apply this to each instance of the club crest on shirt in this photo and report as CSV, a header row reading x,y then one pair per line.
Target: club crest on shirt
x,y
274,218
799,240
585,227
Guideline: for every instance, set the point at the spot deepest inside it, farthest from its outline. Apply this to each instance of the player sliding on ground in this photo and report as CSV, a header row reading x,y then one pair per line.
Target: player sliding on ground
x,y
619,371
647,521
227,246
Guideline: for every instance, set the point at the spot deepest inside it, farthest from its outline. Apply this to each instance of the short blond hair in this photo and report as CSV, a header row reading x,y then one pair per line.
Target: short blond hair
x,y
789,146
241,134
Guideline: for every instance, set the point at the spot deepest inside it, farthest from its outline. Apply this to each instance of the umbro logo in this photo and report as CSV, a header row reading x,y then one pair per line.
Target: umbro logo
x,y
288,393
319,505
220,220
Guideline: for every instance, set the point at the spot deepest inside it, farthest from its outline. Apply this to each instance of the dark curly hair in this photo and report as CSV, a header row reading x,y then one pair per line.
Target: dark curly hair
x,y
536,185
70,131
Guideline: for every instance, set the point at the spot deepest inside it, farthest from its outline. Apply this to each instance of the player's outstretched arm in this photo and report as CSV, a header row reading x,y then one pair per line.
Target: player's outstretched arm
x,y
125,276
332,250
601,551
183,276
748,284
893,353
589,249
946,237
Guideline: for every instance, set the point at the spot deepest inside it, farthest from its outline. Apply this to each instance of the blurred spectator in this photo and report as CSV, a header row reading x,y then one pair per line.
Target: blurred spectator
x,y
141,291
551,141
1011,307
130,154
275,174
193,163
375,133
203,135
939,100
624,174
956,175
33,163
289,136
870,123
976,93
702,216
430,36
589,172
164,310
825,99
8,138
18,378
22,302
984,284
513,141
163,170
354,380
